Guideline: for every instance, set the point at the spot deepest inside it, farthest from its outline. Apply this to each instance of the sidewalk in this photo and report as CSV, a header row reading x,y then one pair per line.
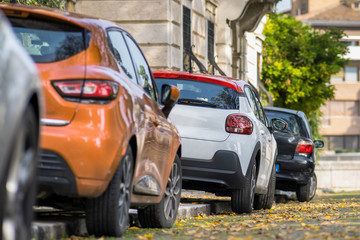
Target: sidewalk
x,y
55,224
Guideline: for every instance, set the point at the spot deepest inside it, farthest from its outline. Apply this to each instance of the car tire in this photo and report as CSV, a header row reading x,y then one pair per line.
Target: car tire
x,y
17,204
265,201
307,192
313,186
163,214
242,200
108,214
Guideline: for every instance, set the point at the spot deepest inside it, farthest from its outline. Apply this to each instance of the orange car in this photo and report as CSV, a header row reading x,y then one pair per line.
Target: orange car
x,y
106,141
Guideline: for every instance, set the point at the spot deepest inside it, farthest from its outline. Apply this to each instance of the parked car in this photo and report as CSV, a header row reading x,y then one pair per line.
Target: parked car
x,y
296,153
20,111
227,145
106,141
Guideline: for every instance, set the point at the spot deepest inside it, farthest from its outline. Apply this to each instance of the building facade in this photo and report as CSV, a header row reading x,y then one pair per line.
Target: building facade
x,y
215,36
300,7
341,116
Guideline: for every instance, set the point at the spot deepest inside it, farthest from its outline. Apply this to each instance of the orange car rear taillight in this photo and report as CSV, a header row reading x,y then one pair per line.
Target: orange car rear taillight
x,y
240,124
86,90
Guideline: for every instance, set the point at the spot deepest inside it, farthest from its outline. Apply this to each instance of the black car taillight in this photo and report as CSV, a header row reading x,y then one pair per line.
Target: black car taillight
x,y
94,91
304,147
240,124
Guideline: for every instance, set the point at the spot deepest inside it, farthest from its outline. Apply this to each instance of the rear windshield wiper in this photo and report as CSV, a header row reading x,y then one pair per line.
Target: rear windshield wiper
x,y
196,102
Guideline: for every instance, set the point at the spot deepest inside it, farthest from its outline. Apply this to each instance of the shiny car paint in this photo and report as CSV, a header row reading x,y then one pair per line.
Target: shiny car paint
x,y
94,137
203,136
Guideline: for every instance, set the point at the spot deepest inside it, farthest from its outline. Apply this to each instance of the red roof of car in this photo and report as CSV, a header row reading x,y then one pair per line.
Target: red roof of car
x,y
233,83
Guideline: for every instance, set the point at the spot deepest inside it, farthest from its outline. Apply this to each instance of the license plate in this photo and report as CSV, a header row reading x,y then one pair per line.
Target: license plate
x,y
277,168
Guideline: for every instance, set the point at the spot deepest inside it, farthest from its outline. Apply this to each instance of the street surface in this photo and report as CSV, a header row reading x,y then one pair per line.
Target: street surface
x,y
328,216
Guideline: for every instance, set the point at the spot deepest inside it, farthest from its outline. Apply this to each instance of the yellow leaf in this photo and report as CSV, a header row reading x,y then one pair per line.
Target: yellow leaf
x,y
129,228
150,235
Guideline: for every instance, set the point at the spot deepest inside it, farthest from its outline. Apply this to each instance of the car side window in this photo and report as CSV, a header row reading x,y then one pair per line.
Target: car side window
x,y
143,71
252,101
121,53
261,110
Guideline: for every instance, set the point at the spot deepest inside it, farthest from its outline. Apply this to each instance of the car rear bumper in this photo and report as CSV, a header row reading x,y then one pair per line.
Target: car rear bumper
x,y
80,159
293,172
55,175
220,174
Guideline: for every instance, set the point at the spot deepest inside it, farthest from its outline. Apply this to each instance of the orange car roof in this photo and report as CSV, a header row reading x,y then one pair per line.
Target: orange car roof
x,y
23,11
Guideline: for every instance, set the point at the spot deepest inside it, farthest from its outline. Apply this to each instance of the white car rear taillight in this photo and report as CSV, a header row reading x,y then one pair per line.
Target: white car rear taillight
x,y
240,124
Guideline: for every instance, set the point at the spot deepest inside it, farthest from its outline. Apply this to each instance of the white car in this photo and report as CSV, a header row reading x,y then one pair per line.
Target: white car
x,y
227,143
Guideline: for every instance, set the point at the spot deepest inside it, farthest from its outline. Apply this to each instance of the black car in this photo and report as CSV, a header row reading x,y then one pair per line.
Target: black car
x,y
295,168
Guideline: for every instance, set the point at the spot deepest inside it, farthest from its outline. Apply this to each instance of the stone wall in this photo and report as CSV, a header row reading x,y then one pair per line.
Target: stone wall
x,y
155,24
157,27
339,172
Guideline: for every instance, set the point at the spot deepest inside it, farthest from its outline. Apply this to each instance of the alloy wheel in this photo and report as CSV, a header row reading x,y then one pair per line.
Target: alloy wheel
x,y
313,184
19,187
125,194
172,190
253,183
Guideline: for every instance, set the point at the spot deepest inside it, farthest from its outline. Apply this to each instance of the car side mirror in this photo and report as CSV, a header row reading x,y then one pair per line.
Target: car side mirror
x,y
169,95
278,124
319,144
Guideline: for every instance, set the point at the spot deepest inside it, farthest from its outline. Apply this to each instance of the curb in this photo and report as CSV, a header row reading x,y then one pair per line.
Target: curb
x,y
66,225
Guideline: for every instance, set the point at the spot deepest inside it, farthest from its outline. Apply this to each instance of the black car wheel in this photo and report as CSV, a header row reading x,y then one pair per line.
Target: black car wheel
x,y
313,186
108,214
242,200
163,214
305,193
20,182
265,201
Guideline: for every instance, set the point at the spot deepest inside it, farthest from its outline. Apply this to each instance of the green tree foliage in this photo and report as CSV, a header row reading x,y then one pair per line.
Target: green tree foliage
x,y
61,4
298,63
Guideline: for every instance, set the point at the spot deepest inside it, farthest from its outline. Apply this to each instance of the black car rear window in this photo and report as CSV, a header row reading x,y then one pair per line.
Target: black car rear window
x,y
295,125
48,41
203,94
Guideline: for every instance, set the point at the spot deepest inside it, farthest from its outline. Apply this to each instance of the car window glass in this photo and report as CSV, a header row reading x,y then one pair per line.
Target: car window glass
x,y
121,53
203,94
252,101
48,41
142,68
261,110
294,122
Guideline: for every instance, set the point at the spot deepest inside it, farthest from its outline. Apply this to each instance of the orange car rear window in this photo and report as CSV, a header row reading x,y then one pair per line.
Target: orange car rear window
x,y
48,41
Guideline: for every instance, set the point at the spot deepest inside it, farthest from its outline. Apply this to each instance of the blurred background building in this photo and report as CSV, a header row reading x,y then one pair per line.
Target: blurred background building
x,y
341,116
